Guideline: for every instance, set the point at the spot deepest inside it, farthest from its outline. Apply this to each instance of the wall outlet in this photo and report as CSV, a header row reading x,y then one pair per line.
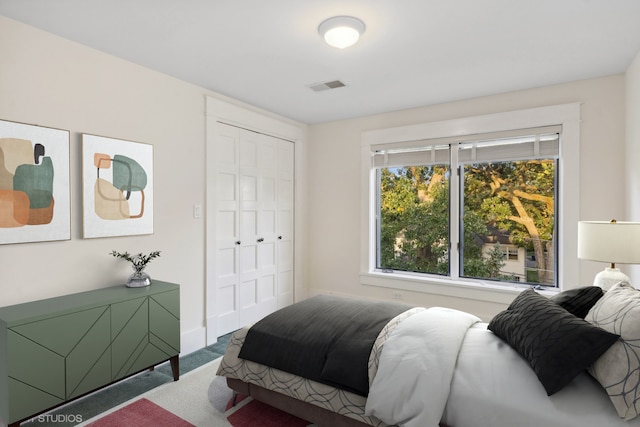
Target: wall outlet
x,y
397,295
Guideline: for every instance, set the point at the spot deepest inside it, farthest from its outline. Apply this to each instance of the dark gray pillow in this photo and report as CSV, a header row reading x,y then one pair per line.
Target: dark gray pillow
x,y
557,344
578,301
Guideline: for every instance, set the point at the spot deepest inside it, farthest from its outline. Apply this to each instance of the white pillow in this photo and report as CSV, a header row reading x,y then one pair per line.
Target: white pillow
x,y
618,369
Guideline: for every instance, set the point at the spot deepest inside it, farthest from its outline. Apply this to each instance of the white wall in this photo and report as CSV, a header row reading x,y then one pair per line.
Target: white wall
x,y
632,167
50,81
53,82
334,180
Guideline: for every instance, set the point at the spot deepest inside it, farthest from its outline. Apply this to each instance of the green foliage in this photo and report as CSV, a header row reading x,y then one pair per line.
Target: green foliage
x,y
138,261
414,234
495,261
514,198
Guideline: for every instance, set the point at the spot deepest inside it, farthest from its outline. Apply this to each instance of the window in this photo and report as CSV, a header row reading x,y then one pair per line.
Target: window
x,y
413,209
505,194
470,250
510,254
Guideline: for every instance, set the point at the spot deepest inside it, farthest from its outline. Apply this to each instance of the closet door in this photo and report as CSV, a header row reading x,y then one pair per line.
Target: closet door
x,y
254,226
268,200
285,223
225,233
258,200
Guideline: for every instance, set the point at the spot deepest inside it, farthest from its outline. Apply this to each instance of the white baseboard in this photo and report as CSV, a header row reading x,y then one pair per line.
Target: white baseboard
x,y
193,340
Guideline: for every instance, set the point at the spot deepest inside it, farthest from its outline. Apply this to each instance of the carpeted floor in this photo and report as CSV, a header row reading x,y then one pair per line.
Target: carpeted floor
x,y
119,393
140,413
187,399
199,399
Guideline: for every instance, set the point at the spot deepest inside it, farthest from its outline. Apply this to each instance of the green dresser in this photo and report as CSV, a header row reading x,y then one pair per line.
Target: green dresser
x,y
57,349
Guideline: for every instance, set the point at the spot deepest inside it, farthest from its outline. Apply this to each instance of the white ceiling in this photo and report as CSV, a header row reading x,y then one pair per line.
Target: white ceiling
x,y
413,52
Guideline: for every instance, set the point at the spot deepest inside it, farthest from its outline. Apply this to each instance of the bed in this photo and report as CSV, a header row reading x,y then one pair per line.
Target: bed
x,y
560,362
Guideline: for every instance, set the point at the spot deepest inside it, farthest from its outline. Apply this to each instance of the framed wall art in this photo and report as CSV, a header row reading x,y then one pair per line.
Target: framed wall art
x,y
117,187
34,183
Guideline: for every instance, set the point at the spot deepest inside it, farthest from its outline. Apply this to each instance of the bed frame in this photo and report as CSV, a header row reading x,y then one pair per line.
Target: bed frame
x,y
307,411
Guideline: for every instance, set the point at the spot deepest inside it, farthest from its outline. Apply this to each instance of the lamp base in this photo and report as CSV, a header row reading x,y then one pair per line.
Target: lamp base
x,y
609,277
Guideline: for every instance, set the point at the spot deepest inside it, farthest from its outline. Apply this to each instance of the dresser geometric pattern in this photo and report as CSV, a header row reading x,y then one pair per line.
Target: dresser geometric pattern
x,y
96,338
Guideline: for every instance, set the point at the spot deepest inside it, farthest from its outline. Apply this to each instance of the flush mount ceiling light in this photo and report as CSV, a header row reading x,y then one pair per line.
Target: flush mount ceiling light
x,y
341,31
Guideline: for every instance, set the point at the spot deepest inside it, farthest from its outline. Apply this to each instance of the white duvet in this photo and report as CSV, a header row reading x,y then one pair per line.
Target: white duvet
x,y
493,386
443,365
416,365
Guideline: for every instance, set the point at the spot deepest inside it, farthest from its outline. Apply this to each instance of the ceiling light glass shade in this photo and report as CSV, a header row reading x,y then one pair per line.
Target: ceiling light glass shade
x,y
612,242
341,31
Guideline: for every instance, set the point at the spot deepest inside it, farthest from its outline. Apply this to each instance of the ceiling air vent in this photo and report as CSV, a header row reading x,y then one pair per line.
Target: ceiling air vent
x,y
319,87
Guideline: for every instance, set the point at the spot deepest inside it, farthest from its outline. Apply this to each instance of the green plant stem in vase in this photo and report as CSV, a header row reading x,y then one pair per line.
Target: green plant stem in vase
x,y
139,262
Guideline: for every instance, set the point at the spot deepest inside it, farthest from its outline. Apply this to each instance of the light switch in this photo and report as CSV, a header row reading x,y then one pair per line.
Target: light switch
x,y
197,211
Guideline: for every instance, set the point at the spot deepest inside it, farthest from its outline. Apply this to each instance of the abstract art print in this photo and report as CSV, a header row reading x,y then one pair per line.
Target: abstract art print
x,y
117,180
34,183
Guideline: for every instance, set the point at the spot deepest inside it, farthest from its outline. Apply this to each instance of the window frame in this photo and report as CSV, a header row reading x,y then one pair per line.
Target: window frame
x,y
565,115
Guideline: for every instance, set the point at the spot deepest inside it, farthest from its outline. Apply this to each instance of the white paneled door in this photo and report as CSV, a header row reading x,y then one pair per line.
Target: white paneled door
x,y
254,226
284,221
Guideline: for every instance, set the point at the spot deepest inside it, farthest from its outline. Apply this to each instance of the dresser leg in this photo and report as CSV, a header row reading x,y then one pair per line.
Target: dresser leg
x,y
175,367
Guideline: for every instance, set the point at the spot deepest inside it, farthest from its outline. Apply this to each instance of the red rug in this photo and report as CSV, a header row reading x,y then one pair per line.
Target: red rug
x,y
258,414
141,413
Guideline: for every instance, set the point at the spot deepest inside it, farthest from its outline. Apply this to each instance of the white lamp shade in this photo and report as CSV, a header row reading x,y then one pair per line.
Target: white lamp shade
x,y
341,31
612,242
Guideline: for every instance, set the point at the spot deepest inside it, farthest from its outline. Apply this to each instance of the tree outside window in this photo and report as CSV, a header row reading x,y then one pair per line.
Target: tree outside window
x,y
506,208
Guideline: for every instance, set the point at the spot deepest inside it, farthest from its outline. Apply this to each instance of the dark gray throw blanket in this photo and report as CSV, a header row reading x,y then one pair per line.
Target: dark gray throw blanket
x,y
325,338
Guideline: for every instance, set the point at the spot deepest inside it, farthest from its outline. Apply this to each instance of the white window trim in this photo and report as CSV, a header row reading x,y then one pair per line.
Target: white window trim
x,y
566,115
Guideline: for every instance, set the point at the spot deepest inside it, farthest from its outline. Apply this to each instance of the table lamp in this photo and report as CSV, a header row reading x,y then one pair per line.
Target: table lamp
x,y
615,242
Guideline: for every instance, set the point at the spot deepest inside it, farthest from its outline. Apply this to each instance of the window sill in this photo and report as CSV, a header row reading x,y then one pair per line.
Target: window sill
x,y
476,290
